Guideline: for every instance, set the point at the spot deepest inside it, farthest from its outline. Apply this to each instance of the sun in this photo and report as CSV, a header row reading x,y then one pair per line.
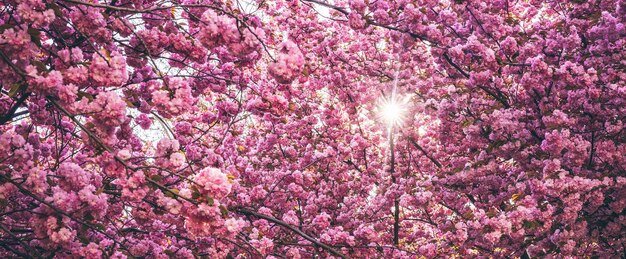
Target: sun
x,y
392,110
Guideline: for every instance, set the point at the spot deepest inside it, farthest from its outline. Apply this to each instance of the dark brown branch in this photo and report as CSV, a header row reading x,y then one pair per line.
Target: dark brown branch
x,y
396,200
457,67
243,211
11,113
336,8
349,162
108,149
432,159
133,10
26,246
498,97
593,150
42,201
293,229
386,26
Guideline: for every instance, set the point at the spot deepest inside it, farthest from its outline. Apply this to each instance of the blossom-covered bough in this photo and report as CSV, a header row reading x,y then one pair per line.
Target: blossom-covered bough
x,y
251,129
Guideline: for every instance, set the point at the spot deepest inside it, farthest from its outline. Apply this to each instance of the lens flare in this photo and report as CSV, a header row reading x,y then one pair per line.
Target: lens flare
x,y
393,110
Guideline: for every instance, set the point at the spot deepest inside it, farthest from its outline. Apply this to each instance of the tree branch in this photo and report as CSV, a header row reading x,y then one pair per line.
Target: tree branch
x,y
11,113
432,159
293,229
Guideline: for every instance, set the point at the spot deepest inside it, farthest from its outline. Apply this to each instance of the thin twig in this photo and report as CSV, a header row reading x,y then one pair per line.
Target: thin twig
x,y
292,228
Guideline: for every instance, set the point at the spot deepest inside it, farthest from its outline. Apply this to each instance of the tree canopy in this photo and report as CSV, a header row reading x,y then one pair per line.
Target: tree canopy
x,y
257,128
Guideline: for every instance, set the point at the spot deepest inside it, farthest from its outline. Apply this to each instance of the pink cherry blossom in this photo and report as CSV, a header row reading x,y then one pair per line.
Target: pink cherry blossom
x,y
224,129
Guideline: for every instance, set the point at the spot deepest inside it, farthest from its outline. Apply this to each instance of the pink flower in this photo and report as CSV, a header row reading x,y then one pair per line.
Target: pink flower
x,y
217,30
289,63
265,245
73,175
234,225
322,221
110,109
213,182
290,217
92,250
64,235
144,121
177,159
108,69
124,154
428,250
166,145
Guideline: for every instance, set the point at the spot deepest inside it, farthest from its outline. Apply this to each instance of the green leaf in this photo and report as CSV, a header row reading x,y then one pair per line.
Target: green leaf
x,y
4,27
466,123
100,226
89,217
171,193
531,224
86,95
41,67
210,201
83,240
170,253
35,36
14,89
224,211
495,144
195,193
517,196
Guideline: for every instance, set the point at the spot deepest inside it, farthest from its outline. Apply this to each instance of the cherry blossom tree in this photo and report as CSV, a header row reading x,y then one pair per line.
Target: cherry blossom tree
x,y
252,129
